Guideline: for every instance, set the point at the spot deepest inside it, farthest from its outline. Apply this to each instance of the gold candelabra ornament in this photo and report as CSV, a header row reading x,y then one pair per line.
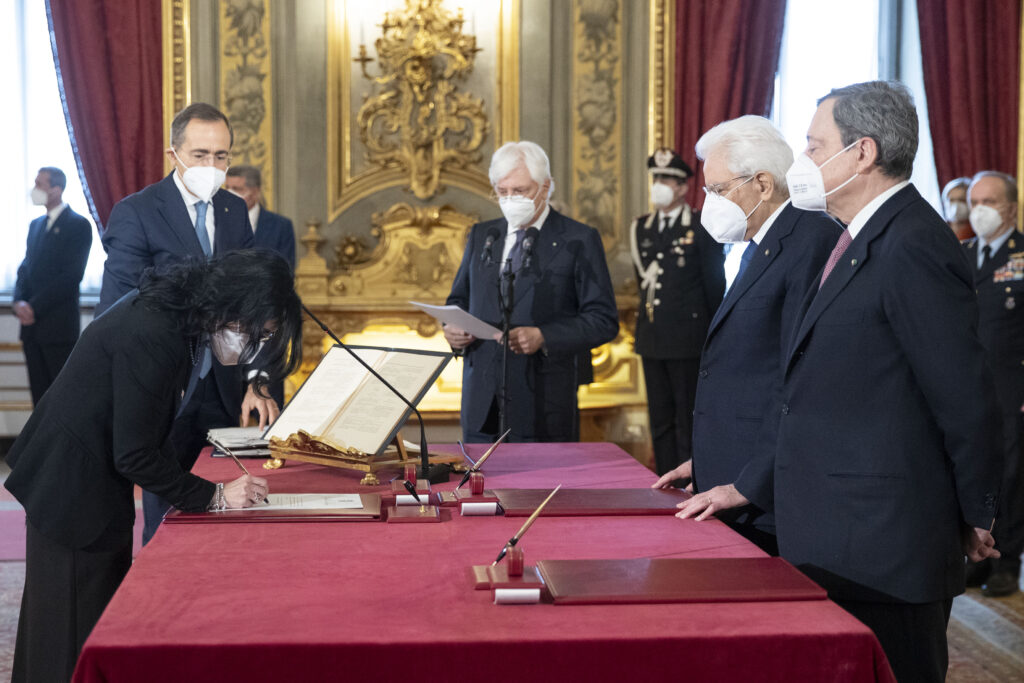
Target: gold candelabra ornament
x,y
416,118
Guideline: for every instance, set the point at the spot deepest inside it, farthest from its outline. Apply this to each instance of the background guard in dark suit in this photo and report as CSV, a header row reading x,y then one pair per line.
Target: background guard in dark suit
x,y
46,294
681,276
564,305
745,164
270,230
103,427
157,227
997,261
884,476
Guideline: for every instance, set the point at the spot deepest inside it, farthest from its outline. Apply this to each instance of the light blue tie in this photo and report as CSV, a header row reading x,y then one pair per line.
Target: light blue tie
x,y
201,233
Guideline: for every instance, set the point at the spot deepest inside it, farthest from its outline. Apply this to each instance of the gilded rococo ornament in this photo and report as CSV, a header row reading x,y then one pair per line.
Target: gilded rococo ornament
x,y
417,119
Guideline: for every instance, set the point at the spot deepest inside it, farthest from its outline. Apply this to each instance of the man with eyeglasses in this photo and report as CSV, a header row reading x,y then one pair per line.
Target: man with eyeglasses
x,y
747,204
186,215
681,277
996,256
563,305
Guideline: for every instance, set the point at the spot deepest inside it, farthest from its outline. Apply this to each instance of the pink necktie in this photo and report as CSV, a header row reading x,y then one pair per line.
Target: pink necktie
x,y
837,253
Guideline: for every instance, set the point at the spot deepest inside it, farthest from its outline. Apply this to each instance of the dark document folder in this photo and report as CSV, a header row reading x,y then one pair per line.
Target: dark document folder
x,y
757,579
591,502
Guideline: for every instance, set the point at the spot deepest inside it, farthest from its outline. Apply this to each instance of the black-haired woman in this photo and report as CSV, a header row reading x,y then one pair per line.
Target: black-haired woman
x,y
101,428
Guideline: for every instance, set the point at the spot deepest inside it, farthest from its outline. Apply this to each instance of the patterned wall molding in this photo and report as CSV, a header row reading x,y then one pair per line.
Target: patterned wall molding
x,y
177,74
661,113
383,57
597,115
246,85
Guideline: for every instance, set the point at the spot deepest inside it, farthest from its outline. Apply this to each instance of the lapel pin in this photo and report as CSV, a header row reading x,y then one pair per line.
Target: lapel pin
x,y
767,251
554,244
853,262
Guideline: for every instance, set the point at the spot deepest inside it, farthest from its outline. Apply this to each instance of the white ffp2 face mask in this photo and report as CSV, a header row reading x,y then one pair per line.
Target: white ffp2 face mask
x,y
517,210
38,196
956,211
723,218
807,185
202,181
661,195
985,221
228,346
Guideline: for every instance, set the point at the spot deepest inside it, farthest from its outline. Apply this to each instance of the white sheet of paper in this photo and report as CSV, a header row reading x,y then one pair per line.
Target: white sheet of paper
x,y
307,501
455,316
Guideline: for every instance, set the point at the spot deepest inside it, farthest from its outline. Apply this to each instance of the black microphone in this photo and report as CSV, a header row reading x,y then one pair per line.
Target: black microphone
x,y
492,235
529,239
434,474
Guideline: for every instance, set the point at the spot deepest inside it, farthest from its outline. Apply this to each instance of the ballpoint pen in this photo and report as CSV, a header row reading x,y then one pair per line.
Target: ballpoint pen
x,y
480,462
245,471
522,530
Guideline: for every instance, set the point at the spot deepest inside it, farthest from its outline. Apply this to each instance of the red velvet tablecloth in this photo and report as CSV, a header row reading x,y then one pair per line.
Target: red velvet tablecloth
x,y
371,601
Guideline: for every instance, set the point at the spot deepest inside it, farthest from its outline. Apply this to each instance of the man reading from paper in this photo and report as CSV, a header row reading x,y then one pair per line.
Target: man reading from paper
x,y
563,304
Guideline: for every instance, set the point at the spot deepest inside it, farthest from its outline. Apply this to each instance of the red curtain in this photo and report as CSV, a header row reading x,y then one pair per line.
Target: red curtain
x,y
727,53
971,53
108,59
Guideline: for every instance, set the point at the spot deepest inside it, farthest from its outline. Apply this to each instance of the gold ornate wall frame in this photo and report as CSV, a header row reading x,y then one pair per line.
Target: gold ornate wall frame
x,y
347,185
177,72
661,104
246,85
597,116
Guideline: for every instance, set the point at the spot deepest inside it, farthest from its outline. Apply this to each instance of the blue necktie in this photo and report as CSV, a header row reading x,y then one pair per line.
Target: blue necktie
x,y
200,369
204,237
516,255
748,255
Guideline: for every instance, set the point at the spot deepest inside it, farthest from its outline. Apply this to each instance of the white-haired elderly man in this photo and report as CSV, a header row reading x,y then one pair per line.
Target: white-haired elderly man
x,y
564,304
747,200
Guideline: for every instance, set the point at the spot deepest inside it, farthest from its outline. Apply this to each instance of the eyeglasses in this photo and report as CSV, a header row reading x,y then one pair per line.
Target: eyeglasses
x,y
202,157
506,192
265,335
719,188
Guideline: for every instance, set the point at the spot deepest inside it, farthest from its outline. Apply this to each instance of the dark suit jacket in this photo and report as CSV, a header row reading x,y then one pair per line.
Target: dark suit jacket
x,y
49,277
1000,288
692,285
740,378
152,228
880,459
567,293
275,232
101,428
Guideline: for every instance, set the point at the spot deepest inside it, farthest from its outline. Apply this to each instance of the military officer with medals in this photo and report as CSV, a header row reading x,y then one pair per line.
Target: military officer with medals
x,y
997,257
681,278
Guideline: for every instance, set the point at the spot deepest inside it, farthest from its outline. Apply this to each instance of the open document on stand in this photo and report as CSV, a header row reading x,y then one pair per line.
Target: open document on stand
x,y
456,317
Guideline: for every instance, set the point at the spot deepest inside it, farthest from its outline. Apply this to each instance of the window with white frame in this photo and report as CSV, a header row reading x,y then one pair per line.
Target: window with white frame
x,y
33,110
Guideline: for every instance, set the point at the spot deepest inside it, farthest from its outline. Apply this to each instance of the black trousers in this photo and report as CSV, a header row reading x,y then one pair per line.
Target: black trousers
x,y
204,411
66,591
671,391
490,430
1009,527
912,635
44,362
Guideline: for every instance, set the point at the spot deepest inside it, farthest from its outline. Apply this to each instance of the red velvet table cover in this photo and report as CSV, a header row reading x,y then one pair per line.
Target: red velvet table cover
x,y
384,602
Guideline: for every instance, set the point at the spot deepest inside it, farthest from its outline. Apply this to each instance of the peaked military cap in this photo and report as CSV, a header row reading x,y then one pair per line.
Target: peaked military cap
x,y
665,161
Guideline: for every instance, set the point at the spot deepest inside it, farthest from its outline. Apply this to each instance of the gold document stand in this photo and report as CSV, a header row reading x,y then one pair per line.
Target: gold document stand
x,y
306,448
